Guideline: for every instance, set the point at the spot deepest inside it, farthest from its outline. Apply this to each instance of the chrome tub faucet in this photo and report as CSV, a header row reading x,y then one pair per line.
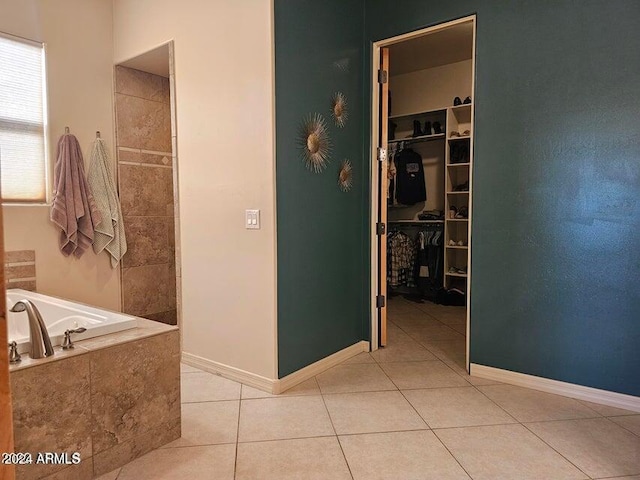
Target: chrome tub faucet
x,y
38,336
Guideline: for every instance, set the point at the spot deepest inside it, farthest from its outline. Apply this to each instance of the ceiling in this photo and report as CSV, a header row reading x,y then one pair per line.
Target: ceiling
x,y
155,61
453,44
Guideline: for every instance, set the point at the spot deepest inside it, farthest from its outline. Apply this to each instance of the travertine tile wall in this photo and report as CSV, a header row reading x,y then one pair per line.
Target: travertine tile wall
x,y
146,186
111,405
20,269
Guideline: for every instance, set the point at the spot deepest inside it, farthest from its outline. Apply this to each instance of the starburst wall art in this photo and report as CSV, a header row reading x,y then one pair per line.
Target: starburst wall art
x,y
339,109
345,178
315,143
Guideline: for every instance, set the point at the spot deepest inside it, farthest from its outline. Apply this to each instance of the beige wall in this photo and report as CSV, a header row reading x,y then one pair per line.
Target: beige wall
x,y
224,94
430,89
79,39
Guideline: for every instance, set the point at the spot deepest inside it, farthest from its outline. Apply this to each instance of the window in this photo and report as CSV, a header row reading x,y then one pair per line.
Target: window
x,y
23,164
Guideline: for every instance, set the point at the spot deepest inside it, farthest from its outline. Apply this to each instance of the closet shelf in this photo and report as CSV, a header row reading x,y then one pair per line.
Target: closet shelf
x,y
466,192
415,221
457,247
458,164
463,275
422,138
414,115
457,219
465,137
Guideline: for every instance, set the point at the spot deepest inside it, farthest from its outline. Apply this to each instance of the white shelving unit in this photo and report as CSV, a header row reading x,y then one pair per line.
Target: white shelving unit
x,y
456,257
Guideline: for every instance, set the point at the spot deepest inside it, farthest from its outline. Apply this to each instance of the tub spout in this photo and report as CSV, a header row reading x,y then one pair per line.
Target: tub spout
x,y
38,335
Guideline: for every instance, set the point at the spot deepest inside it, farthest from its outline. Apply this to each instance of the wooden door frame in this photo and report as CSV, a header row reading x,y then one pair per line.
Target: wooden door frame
x,y
375,197
7,472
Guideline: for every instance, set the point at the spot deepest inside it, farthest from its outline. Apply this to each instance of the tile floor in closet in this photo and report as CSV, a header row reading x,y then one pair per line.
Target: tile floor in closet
x,y
406,412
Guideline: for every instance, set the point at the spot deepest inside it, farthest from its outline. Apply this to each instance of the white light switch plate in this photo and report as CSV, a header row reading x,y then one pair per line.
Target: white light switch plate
x,y
252,219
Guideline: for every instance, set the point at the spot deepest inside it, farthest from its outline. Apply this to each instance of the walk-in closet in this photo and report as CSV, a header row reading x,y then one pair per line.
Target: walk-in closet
x,y
426,98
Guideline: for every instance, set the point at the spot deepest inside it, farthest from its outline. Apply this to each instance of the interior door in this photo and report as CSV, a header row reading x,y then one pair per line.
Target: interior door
x,y
6,424
381,300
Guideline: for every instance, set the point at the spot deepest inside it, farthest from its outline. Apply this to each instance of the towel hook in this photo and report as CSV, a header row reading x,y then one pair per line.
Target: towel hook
x,y
98,134
66,130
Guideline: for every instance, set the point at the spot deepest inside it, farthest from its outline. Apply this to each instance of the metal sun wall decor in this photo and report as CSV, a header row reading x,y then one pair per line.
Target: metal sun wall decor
x,y
339,109
345,178
315,143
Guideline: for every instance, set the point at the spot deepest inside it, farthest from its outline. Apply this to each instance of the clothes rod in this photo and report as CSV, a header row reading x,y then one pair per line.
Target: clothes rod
x,y
417,222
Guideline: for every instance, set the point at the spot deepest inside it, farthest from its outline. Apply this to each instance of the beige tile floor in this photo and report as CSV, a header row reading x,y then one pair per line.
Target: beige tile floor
x,y
406,412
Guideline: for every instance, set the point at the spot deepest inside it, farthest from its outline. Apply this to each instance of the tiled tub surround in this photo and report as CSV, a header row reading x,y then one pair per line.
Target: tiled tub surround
x,y
112,398
20,269
146,179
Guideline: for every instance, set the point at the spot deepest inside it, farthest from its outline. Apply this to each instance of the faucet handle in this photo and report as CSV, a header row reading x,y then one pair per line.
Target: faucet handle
x,y
67,343
14,356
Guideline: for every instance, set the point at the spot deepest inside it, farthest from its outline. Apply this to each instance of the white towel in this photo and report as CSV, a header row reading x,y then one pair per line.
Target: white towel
x,y
109,234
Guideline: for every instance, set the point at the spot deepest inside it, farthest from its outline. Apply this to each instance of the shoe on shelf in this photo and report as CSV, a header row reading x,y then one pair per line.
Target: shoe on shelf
x,y
392,130
467,101
427,128
463,187
461,243
452,243
463,212
457,101
437,128
454,134
466,133
416,129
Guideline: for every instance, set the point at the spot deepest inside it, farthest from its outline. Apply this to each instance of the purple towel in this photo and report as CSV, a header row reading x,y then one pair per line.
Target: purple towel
x,y
73,208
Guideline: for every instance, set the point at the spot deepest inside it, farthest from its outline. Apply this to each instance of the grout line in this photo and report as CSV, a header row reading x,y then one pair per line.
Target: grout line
x,y
324,402
552,448
235,461
623,427
178,447
288,438
382,432
452,455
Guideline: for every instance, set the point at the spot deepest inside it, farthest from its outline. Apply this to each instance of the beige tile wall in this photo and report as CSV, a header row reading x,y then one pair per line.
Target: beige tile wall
x,y
20,269
146,186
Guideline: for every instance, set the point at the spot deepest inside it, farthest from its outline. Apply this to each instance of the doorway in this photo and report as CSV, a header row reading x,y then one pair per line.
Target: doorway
x,y
421,210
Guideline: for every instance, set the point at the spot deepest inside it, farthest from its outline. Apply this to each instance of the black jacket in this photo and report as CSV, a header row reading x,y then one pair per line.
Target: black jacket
x,y
410,183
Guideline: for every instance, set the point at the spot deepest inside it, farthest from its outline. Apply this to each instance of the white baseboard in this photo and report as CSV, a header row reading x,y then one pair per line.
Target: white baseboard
x,y
226,371
320,366
274,386
595,395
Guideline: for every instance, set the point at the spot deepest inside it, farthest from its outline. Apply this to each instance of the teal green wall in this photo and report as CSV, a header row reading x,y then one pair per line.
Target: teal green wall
x,y
556,204
556,219
321,231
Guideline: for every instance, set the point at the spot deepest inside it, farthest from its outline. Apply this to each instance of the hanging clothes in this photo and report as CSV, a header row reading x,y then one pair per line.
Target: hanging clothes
x,y
430,258
391,175
109,234
401,259
73,208
410,183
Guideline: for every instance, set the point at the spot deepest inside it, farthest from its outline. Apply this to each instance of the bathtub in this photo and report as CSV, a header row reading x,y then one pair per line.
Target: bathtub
x,y
60,315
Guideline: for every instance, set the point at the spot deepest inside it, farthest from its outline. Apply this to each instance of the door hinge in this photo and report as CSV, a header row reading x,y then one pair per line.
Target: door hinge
x,y
380,228
382,154
380,301
382,76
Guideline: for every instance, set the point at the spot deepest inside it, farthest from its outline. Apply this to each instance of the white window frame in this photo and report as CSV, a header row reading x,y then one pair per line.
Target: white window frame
x,y
45,127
